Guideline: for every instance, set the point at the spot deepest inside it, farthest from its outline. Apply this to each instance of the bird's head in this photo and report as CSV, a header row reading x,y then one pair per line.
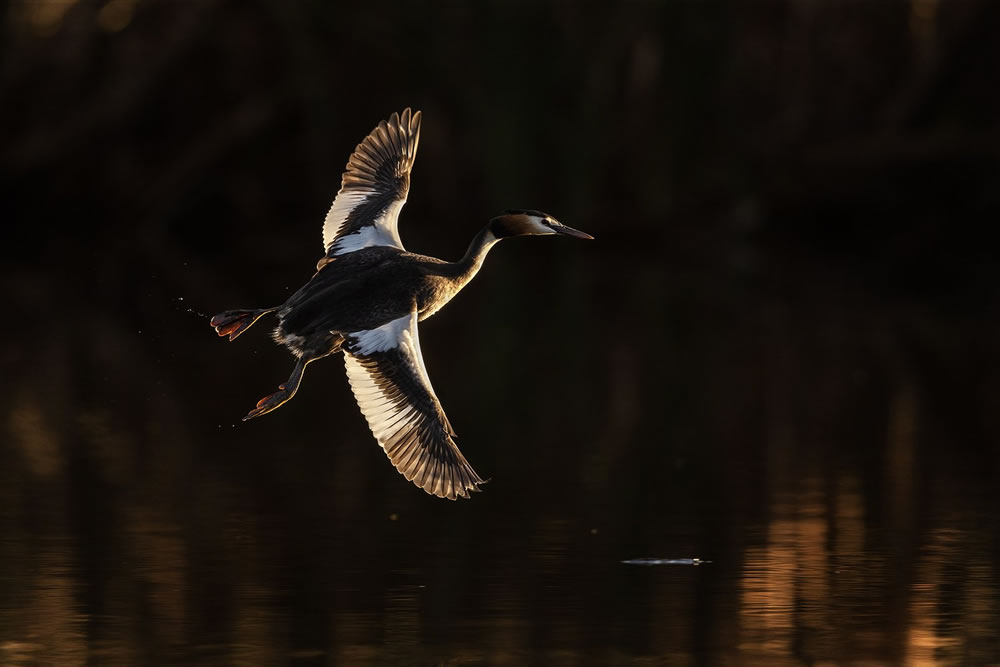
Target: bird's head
x,y
519,222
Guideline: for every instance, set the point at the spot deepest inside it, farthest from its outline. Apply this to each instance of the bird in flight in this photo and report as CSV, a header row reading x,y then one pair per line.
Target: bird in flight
x,y
365,300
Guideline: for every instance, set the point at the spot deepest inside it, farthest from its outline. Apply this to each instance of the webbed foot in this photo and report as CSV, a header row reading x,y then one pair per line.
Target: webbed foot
x,y
287,391
234,322
271,402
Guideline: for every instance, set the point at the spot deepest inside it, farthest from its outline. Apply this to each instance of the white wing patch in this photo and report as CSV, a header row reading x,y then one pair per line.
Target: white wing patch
x,y
384,337
342,206
382,233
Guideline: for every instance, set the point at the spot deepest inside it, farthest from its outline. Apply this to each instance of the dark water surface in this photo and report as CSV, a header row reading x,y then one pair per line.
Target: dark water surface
x,y
832,453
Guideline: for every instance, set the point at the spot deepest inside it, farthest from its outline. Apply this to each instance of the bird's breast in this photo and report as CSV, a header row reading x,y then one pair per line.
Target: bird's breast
x,y
435,292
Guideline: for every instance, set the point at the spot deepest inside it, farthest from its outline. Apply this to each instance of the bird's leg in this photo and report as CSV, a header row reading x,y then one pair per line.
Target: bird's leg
x,y
284,394
287,390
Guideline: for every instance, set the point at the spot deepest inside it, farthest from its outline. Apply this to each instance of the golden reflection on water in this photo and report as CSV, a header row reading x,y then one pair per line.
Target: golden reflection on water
x,y
46,626
770,578
817,583
808,597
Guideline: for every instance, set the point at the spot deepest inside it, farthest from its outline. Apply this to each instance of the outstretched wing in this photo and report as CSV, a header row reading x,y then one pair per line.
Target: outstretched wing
x,y
374,188
387,374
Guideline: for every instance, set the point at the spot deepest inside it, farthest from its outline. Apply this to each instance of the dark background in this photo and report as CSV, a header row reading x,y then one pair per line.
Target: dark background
x,y
779,353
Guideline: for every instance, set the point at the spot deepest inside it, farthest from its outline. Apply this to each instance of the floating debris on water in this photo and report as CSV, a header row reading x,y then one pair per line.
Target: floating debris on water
x,y
665,561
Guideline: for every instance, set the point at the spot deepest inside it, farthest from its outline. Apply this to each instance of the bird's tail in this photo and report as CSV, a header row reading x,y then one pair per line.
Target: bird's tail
x,y
234,322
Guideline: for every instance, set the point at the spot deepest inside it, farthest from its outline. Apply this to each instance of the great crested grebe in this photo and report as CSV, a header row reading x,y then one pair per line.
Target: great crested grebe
x,y
365,300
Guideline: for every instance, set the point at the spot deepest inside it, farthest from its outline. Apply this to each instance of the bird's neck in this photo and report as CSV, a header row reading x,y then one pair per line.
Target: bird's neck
x,y
466,268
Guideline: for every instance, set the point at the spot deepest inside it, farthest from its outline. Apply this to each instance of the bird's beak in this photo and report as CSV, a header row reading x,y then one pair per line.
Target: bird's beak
x,y
569,231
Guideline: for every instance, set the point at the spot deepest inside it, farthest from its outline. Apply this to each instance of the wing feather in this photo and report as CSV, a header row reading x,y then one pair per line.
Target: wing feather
x,y
387,375
374,188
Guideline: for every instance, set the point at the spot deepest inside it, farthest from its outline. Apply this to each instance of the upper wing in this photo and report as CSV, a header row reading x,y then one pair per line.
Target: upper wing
x,y
387,374
374,188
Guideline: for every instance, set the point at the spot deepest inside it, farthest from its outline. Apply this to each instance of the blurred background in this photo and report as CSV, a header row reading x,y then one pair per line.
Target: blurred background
x,y
779,354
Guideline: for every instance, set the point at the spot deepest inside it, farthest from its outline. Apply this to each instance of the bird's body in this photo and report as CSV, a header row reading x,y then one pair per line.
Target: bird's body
x,y
368,288
366,298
